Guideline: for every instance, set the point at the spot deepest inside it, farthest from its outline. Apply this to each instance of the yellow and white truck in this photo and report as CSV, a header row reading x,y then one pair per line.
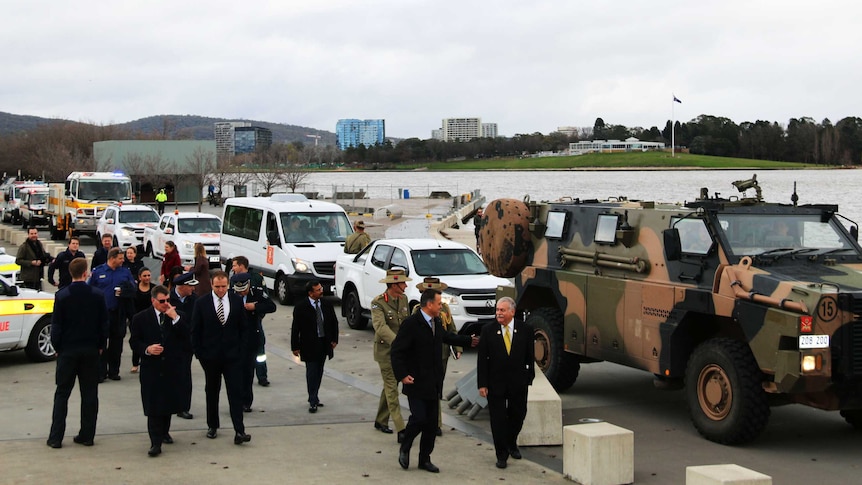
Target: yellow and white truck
x,y
74,207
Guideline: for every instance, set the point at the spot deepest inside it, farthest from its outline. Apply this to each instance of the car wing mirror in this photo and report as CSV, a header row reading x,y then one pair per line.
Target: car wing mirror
x,y
169,230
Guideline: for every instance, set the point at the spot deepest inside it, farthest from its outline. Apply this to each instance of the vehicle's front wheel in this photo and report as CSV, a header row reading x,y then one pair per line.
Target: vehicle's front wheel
x,y
282,290
723,388
560,367
353,311
39,347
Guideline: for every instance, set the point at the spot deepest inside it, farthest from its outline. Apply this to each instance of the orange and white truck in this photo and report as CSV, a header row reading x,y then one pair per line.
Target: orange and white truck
x,y
74,207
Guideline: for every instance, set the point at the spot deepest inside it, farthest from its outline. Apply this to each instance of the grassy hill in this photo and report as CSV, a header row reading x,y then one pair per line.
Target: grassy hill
x,y
632,160
175,127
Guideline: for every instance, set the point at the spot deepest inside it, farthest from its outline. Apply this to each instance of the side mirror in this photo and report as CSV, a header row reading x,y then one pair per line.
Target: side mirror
x,y
672,244
169,230
109,221
854,231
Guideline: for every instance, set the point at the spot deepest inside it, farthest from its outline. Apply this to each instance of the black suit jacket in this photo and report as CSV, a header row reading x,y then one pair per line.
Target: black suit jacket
x,y
501,372
303,333
213,341
416,352
164,377
80,319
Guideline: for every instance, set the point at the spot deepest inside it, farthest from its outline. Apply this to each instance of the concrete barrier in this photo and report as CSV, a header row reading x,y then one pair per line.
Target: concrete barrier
x,y
728,474
544,422
598,454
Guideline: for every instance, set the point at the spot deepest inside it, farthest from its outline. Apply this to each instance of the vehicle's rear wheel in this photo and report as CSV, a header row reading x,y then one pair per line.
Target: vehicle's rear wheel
x,y
282,290
723,388
353,311
24,223
39,347
560,367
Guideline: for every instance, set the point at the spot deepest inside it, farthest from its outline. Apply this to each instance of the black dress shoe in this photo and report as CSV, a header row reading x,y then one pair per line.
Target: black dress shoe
x,y
429,467
401,436
320,404
168,440
55,444
241,438
185,415
312,409
501,464
246,409
514,452
101,380
263,382
115,378
439,432
211,433
404,459
383,428
82,441
155,450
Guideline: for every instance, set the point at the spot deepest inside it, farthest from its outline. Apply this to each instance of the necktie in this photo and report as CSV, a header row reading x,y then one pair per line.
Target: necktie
x,y
163,319
507,340
320,332
220,311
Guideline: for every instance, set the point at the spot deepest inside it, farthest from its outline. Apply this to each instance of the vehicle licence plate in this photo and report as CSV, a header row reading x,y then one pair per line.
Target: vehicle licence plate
x,y
813,341
214,259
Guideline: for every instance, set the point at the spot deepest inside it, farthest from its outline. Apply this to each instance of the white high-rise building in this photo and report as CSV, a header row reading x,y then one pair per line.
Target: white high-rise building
x,y
461,129
489,130
224,136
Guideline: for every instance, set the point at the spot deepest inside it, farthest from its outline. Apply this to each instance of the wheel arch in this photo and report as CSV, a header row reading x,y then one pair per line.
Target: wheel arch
x,y
693,329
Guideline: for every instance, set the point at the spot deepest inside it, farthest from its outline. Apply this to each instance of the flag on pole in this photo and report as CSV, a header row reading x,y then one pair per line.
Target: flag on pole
x,y
676,99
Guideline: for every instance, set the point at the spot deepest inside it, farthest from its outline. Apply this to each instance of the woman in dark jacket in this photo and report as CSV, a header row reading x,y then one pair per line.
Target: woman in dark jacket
x,y
132,262
202,270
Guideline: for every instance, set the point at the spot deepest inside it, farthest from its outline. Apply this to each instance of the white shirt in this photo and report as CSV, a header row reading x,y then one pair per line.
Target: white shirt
x,y
225,303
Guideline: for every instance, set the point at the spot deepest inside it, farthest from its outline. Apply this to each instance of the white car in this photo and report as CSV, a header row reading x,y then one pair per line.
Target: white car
x,y
126,222
25,321
8,267
471,294
185,229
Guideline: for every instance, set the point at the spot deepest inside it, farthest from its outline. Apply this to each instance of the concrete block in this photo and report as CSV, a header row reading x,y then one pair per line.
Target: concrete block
x,y
724,475
544,422
598,454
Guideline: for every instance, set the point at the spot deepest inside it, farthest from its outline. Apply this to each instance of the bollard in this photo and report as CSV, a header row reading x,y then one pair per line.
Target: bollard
x,y
598,454
728,474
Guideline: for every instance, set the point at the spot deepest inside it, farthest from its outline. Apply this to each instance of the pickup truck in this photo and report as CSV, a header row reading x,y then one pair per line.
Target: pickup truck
x,y
471,293
185,229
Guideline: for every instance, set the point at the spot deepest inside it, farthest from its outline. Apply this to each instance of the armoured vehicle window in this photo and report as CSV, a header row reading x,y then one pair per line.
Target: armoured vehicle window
x,y
752,234
694,237
606,228
556,225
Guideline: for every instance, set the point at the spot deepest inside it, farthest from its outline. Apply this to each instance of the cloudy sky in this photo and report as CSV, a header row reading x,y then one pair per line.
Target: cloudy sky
x,y
528,65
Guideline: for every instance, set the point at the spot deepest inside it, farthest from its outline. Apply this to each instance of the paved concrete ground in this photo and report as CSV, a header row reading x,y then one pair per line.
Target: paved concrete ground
x,y
289,445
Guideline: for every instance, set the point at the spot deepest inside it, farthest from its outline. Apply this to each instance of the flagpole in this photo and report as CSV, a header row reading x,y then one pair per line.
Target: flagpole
x,y
672,125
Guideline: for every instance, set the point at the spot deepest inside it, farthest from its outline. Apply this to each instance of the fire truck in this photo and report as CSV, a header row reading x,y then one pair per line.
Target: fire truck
x,y
75,206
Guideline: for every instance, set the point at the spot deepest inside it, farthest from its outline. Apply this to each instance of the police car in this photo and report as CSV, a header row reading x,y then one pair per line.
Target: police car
x,y
25,321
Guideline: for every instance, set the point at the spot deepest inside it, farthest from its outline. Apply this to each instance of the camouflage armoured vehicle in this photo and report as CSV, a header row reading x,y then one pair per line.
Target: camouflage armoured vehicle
x,y
746,303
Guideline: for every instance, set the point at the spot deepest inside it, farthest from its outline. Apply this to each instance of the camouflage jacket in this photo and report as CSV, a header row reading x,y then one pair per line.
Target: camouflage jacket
x,y
387,313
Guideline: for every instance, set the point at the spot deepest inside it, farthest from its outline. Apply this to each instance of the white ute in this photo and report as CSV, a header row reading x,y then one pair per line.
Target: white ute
x,y
471,294
185,229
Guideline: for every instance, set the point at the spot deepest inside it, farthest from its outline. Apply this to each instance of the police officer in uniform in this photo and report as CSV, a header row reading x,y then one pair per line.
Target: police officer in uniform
x,y
256,304
448,322
183,297
118,286
388,310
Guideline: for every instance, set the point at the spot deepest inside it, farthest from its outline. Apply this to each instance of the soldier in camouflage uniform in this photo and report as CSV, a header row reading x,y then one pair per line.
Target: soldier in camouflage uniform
x,y
357,241
431,283
388,310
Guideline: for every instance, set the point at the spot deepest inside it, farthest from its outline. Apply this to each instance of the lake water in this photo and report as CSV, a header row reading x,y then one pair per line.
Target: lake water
x,y
813,186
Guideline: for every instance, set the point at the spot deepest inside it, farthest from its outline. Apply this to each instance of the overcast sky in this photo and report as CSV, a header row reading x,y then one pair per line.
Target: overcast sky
x,y
528,65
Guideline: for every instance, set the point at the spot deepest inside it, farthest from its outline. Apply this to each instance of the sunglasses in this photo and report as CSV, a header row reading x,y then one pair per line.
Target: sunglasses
x,y
163,300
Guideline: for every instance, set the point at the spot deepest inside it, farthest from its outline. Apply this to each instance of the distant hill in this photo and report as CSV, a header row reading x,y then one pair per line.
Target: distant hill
x,y
176,127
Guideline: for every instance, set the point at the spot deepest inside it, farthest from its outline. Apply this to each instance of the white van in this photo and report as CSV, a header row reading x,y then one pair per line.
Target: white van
x,y
289,239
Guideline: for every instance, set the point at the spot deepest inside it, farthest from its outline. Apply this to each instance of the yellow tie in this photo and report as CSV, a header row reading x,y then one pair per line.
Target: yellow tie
x,y
507,340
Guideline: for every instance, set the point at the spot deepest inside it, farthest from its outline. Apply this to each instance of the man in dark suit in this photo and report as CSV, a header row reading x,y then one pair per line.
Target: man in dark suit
x,y
505,367
256,304
161,337
61,264
415,355
219,333
79,333
313,338
183,297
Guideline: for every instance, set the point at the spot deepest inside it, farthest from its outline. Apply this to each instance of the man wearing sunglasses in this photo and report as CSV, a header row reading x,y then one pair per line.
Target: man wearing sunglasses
x,y
161,336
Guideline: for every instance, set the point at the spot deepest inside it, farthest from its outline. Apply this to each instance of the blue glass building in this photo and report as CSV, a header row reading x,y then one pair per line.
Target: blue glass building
x,y
248,138
352,133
